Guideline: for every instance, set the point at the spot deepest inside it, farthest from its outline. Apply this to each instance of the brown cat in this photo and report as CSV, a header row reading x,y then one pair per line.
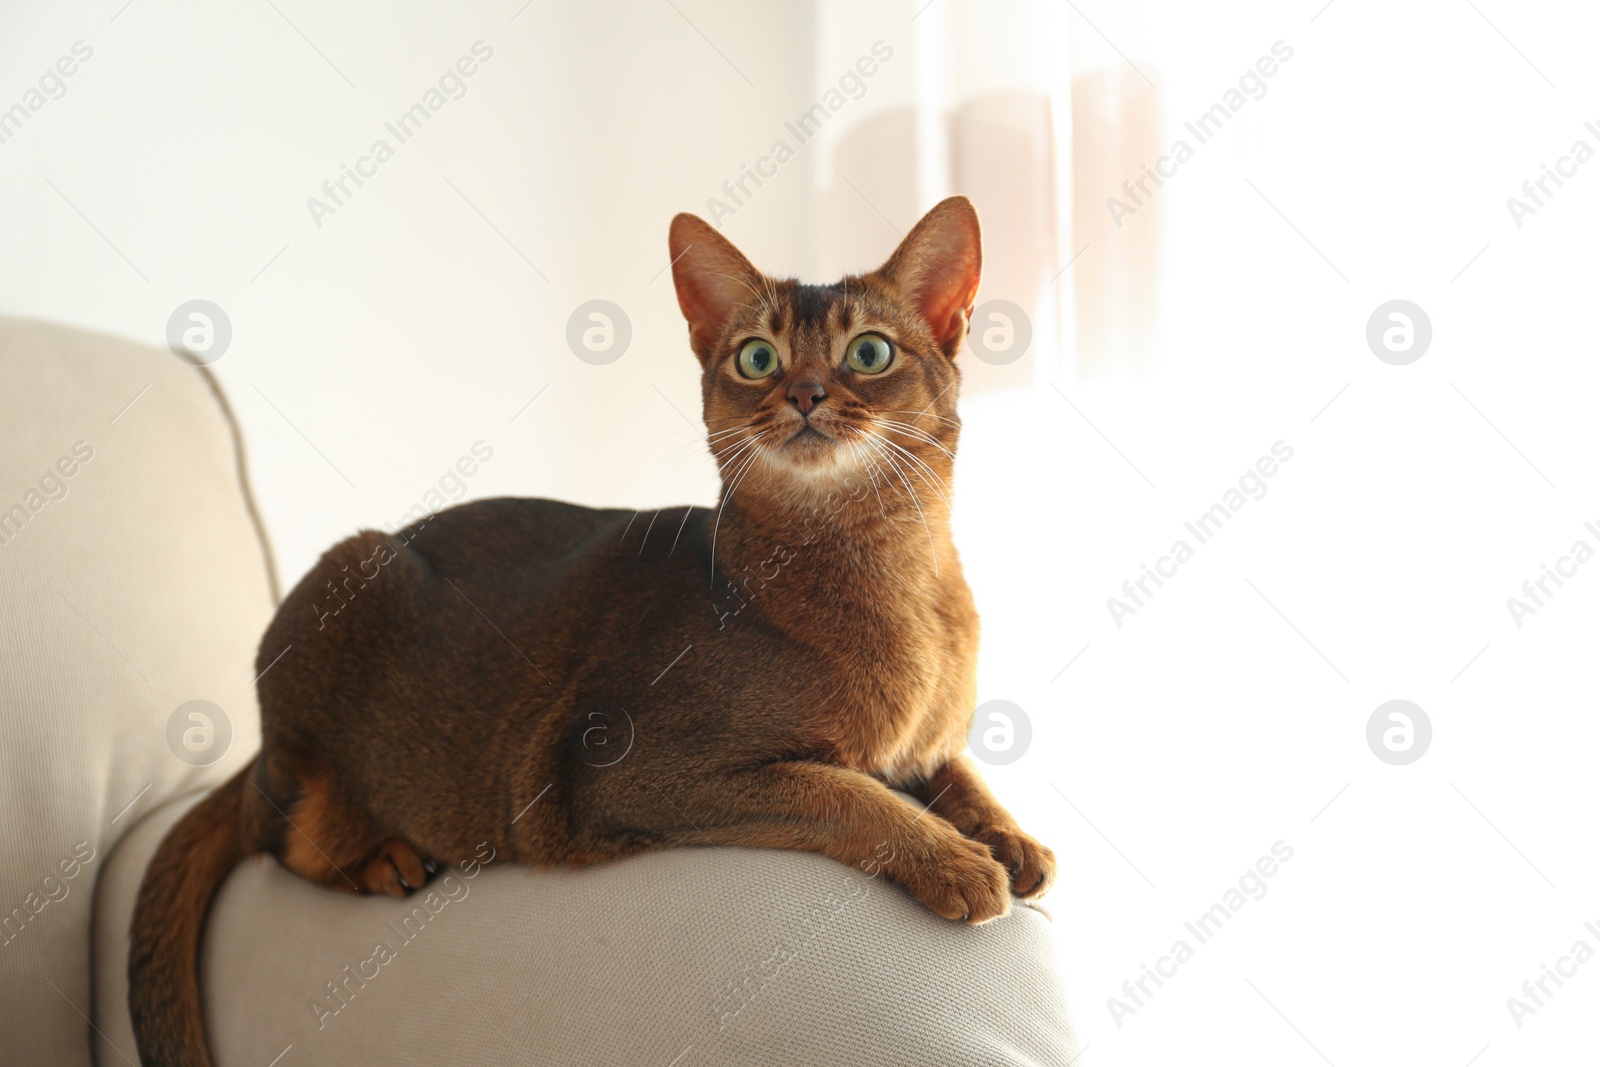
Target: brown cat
x,y
765,673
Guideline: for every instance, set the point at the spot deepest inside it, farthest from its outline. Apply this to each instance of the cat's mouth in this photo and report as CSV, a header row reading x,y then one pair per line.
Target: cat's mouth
x,y
806,436
809,449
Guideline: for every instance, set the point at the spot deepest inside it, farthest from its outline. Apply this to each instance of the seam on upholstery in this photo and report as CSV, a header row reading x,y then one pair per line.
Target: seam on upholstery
x,y
241,463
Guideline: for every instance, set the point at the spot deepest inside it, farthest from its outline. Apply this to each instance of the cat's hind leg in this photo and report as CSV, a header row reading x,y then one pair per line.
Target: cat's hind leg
x,y
333,843
397,869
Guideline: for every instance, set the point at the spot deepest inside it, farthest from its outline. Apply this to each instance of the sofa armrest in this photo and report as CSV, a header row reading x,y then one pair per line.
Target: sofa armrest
x,y
687,957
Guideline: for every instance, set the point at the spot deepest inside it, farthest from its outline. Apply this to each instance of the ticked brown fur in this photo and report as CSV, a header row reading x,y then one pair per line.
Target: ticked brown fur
x,y
571,685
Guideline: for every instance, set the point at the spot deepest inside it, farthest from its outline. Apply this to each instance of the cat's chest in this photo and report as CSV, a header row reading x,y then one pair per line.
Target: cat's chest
x,y
903,687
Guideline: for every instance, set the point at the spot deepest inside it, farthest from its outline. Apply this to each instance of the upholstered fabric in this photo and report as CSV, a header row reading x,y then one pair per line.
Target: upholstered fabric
x,y
694,957
131,582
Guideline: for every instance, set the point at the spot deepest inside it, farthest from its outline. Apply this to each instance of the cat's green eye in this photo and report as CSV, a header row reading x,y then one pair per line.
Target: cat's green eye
x,y
757,359
869,354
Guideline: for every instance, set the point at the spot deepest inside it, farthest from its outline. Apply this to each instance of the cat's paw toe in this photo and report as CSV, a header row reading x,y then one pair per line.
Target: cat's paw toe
x,y
962,883
1032,866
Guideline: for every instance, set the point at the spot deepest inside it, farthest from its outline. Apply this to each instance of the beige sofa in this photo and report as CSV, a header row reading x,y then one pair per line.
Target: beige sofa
x,y
135,579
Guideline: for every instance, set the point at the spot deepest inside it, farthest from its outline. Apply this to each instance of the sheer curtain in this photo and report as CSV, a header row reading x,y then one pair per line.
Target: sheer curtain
x,y
973,100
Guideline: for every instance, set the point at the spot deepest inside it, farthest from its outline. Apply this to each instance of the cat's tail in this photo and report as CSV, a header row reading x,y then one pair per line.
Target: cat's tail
x,y
164,957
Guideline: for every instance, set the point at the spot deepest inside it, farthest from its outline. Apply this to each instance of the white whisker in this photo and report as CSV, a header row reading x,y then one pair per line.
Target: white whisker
x,y
912,492
727,496
724,456
920,467
916,435
923,414
872,480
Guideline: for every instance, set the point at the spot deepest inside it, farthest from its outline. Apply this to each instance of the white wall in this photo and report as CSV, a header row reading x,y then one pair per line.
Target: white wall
x,y
404,328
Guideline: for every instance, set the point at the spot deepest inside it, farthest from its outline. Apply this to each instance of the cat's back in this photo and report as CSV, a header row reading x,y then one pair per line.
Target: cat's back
x,y
516,547
510,530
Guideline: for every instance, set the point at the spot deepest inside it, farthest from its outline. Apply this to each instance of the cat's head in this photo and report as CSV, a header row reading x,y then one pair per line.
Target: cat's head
x,y
805,385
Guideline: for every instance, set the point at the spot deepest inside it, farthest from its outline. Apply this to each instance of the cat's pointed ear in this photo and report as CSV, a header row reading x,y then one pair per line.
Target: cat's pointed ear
x,y
713,279
936,267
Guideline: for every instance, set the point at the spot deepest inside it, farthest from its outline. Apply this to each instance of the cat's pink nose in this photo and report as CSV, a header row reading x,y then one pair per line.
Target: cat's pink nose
x,y
806,395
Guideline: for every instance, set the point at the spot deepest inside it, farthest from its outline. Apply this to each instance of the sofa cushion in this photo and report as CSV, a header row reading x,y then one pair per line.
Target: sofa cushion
x,y
134,583
691,957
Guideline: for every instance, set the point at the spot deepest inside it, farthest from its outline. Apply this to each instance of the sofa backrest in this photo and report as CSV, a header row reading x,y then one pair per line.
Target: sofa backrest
x,y
133,583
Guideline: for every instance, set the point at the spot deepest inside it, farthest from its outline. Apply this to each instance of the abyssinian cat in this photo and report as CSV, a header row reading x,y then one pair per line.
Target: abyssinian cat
x,y
784,663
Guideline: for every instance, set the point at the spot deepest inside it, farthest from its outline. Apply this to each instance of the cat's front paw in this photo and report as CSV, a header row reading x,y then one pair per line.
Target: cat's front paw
x,y
959,881
1032,866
